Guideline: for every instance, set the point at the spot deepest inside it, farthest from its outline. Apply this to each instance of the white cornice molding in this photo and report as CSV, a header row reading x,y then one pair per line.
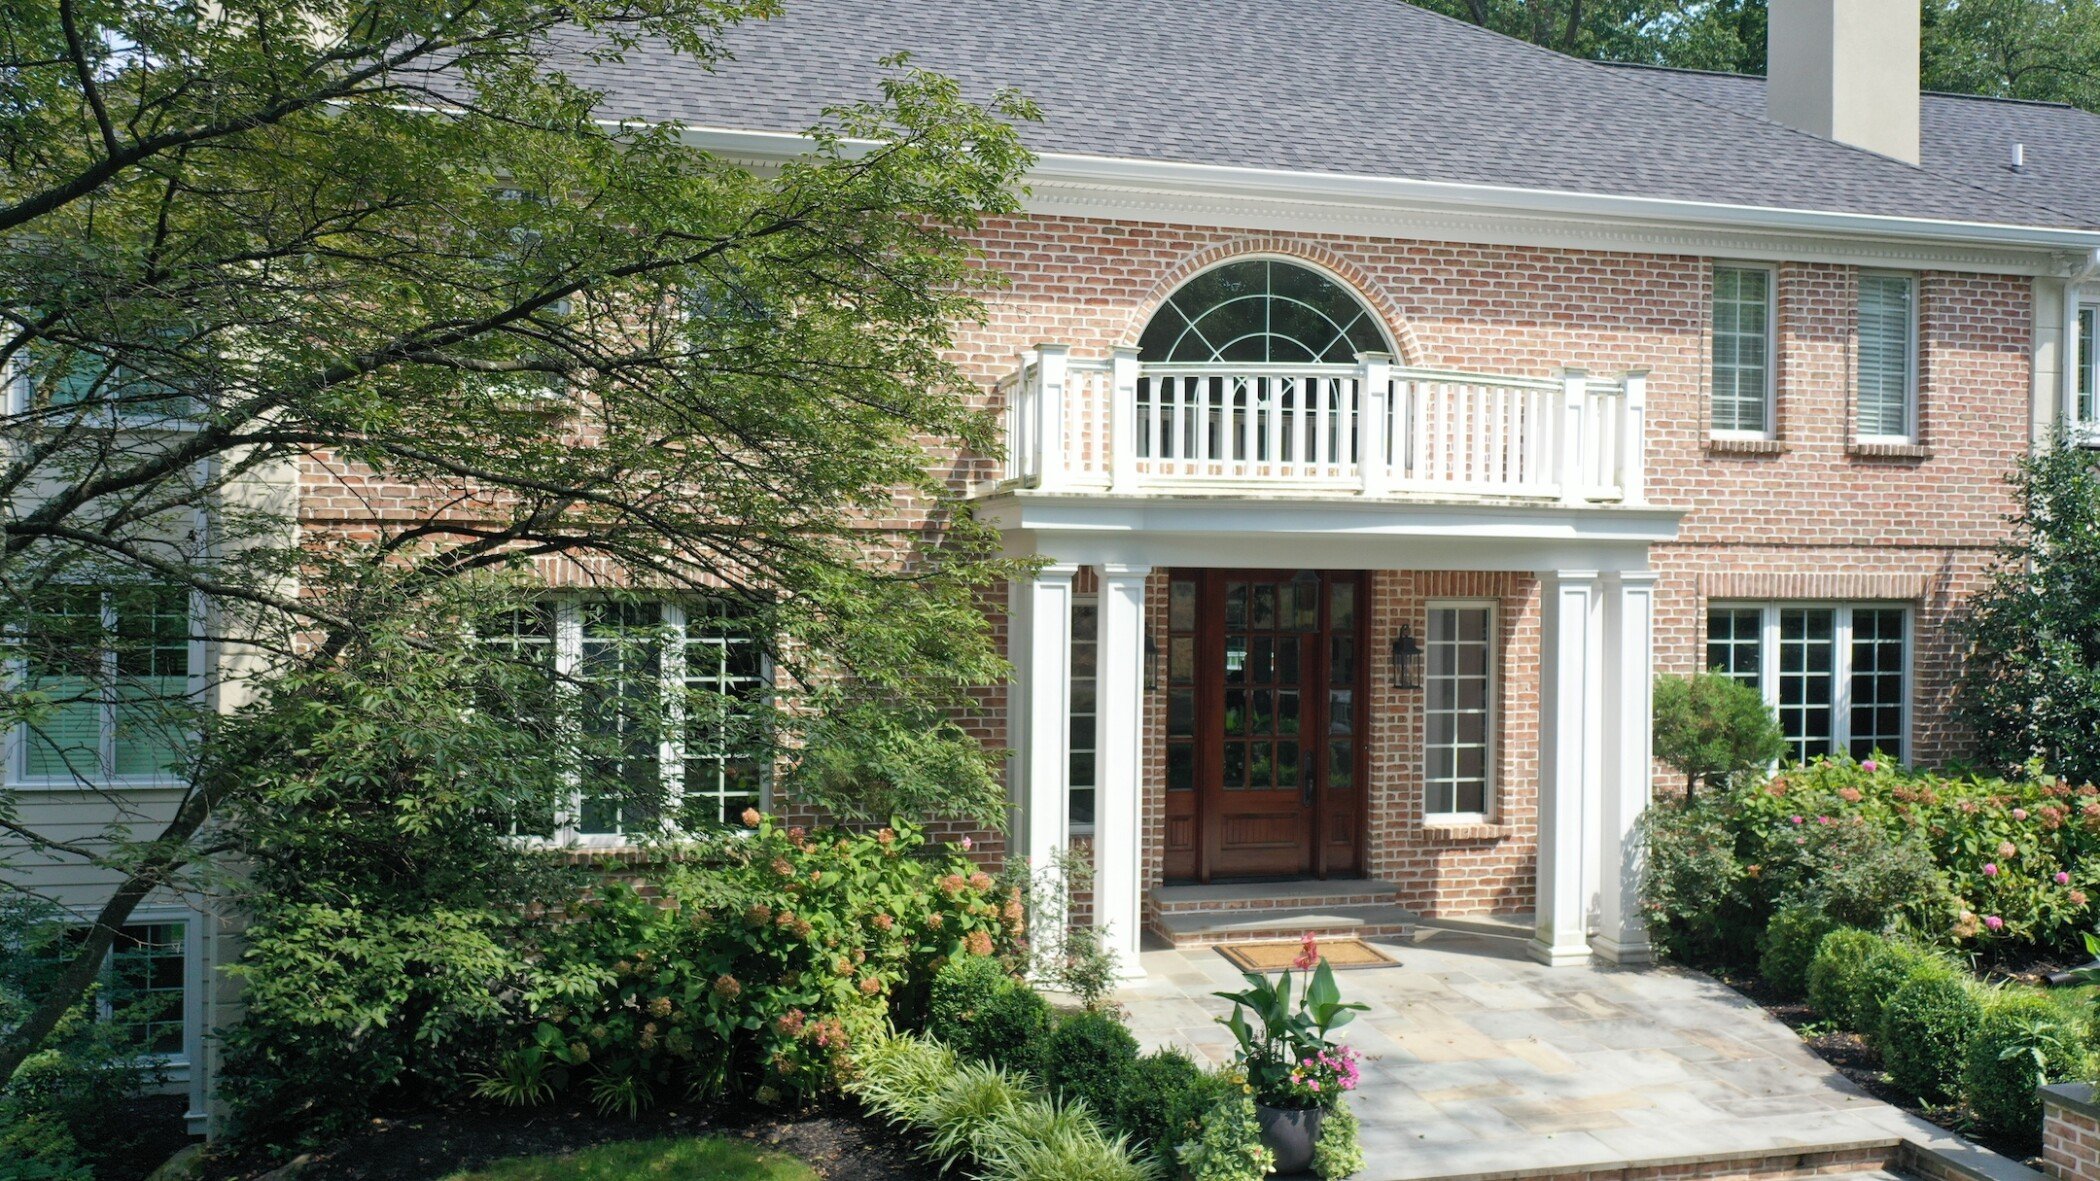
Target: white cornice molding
x,y
1285,200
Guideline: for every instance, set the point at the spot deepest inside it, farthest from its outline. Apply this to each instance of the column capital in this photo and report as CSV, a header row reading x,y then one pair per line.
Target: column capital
x,y
1123,570
1569,576
1056,572
1634,579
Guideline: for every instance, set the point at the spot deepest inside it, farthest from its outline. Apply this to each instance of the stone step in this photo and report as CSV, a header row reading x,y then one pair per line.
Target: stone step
x,y
1242,896
1493,926
1204,928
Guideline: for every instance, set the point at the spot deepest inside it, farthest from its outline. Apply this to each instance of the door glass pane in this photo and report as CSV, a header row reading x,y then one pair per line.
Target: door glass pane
x,y
1286,765
1341,606
1262,613
1236,606
1235,660
1181,660
1235,766
1305,605
1181,713
1807,684
1181,605
1181,766
1261,661
1236,711
1341,765
1341,660
1287,711
1341,711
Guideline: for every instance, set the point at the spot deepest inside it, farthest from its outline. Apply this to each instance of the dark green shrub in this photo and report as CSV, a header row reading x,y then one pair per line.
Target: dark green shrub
x,y
1184,1113
1153,1092
1087,1058
1926,1025
2023,1040
1887,966
1790,943
1688,881
1834,971
982,1011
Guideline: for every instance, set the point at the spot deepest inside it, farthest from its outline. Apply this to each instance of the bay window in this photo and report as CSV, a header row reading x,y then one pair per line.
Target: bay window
x,y
1836,675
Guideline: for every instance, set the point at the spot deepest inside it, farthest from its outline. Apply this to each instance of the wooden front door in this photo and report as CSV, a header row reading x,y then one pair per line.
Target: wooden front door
x,y
1265,723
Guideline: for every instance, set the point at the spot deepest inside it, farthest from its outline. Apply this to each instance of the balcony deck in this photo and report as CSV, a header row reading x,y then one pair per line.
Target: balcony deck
x,y
1372,431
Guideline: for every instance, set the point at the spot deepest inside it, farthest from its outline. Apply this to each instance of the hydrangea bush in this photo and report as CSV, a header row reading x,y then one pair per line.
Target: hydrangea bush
x,y
2000,867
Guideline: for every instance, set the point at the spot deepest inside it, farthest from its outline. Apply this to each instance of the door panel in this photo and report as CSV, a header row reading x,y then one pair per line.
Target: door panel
x,y
1264,733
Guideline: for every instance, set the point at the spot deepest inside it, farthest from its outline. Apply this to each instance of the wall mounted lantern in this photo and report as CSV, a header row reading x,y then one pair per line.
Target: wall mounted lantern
x,y
1407,660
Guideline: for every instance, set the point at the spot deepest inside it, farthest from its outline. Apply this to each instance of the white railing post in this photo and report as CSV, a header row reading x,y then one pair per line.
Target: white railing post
x,y
1633,456
1050,414
1374,383
1123,420
1575,393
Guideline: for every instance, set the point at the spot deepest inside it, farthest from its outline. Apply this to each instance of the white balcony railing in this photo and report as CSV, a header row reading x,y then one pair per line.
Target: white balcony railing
x,y
1368,429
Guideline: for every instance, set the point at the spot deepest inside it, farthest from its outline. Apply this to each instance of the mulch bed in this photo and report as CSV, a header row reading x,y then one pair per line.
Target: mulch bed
x,y
1857,1061
839,1145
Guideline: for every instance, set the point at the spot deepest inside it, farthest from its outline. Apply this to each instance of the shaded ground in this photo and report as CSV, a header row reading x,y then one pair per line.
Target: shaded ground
x,y
1856,1060
150,1129
839,1146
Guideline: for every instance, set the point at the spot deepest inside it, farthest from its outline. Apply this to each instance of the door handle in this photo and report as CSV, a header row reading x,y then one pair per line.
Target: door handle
x,y
1305,776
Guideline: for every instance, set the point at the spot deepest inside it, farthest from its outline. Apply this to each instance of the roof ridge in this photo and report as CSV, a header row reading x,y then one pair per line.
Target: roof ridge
x,y
1961,94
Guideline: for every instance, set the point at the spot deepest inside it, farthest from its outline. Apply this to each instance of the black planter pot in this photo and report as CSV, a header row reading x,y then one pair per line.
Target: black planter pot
x,y
1289,1132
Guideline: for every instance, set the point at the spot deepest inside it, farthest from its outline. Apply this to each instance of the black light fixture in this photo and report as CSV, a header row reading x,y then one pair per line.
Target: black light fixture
x,y
1151,661
1407,656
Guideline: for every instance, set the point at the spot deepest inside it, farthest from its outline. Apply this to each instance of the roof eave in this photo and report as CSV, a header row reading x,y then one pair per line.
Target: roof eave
x,y
1368,191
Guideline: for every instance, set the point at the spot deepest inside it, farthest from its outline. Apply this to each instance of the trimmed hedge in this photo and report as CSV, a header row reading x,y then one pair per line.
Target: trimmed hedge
x,y
2023,1040
1854,973
1087,1059
978,1008
1926,1026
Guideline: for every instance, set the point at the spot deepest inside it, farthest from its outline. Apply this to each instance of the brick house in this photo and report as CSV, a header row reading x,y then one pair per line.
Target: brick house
x,y
1388,402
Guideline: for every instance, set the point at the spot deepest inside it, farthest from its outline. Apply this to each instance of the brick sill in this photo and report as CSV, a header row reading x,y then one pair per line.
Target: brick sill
x,y
1746,446
1888,451
1468,832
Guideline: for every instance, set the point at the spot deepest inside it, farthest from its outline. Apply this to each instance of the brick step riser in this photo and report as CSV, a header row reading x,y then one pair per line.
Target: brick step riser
x,y
1287,934
1322,903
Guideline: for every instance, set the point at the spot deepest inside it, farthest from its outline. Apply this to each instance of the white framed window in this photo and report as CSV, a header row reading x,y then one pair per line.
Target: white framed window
x,y
152,982
1079,778
1887,401
1458,711
1743,358
1837,675
2082,406
119,671
693,757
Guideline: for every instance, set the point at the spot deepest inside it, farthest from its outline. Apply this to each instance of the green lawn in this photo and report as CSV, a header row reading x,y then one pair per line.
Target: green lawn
x,y
709,1159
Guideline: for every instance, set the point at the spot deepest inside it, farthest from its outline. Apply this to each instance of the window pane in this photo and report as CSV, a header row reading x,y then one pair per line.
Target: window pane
x,y
1877,683
1885,317
63,647
147,974
1457,710
1735,643
1261,310
1741,346
725,686
1807,679
1079,769
623,714
2088,362
153,658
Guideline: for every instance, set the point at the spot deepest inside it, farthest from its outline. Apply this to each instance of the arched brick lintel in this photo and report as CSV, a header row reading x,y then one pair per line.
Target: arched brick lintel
x,y
1340,269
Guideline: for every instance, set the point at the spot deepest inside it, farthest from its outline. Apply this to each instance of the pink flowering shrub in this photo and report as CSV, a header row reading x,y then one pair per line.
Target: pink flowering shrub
x,y
752,969
2000,866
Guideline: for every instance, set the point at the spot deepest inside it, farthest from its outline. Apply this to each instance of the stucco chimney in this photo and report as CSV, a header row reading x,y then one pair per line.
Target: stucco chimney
x,y
1846,70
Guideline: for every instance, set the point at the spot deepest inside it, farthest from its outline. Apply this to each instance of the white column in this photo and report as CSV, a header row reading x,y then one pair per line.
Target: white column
x,y
1629,626
1119,820
1055,469
1374,386
1633,440
1039,641
1567,759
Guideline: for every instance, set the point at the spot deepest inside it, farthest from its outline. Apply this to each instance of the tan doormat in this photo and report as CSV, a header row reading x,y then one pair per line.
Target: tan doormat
x,y
1271,957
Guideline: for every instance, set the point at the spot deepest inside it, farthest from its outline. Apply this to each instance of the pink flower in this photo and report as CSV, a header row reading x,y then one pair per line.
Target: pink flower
x,y
2019,813
1795,819
966,843
1869,766
1993,922
2007,848
1825,820
1990,869
2062,878
1308,954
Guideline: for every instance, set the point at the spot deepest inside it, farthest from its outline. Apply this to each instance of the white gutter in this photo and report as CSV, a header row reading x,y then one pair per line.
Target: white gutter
x,y
1398,192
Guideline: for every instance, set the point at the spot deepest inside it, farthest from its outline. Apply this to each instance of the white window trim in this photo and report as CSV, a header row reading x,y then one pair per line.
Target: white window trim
x,y
16,737
2084,432
1771,430
196,978
1491,794
1910,364
567,622
1841,659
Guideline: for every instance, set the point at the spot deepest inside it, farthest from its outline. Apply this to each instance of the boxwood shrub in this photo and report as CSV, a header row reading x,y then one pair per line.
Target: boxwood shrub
x,y
1926,1026
2022,1040
1087,1058
1790,943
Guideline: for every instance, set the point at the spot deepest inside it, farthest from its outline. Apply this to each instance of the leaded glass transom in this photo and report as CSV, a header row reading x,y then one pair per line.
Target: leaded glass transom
x,y
1261,310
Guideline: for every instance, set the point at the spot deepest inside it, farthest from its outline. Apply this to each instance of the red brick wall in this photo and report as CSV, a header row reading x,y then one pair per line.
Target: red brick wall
x,y
2070,1133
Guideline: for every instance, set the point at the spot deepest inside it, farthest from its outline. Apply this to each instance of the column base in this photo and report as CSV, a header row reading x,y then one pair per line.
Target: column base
x,y
1631,953
1570,955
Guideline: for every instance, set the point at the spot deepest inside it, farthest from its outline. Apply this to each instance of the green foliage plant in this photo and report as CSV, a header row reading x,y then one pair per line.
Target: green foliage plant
x,y
1926,1026
1713,728
1691,881
1336,1153
2023,1040
1088,1059
1152,1106
1285,1038
1790,944
965,1107
1852,969
979,1007
1227,1145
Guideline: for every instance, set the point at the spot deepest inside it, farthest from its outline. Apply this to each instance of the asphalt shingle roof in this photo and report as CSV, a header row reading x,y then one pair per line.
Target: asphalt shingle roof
x,y
1365,87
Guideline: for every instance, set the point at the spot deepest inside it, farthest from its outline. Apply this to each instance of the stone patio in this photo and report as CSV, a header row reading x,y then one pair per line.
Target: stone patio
x,y
1481,1062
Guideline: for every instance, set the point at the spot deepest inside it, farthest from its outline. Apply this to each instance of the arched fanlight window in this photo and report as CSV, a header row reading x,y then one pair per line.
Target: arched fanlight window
x,y
1261,310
